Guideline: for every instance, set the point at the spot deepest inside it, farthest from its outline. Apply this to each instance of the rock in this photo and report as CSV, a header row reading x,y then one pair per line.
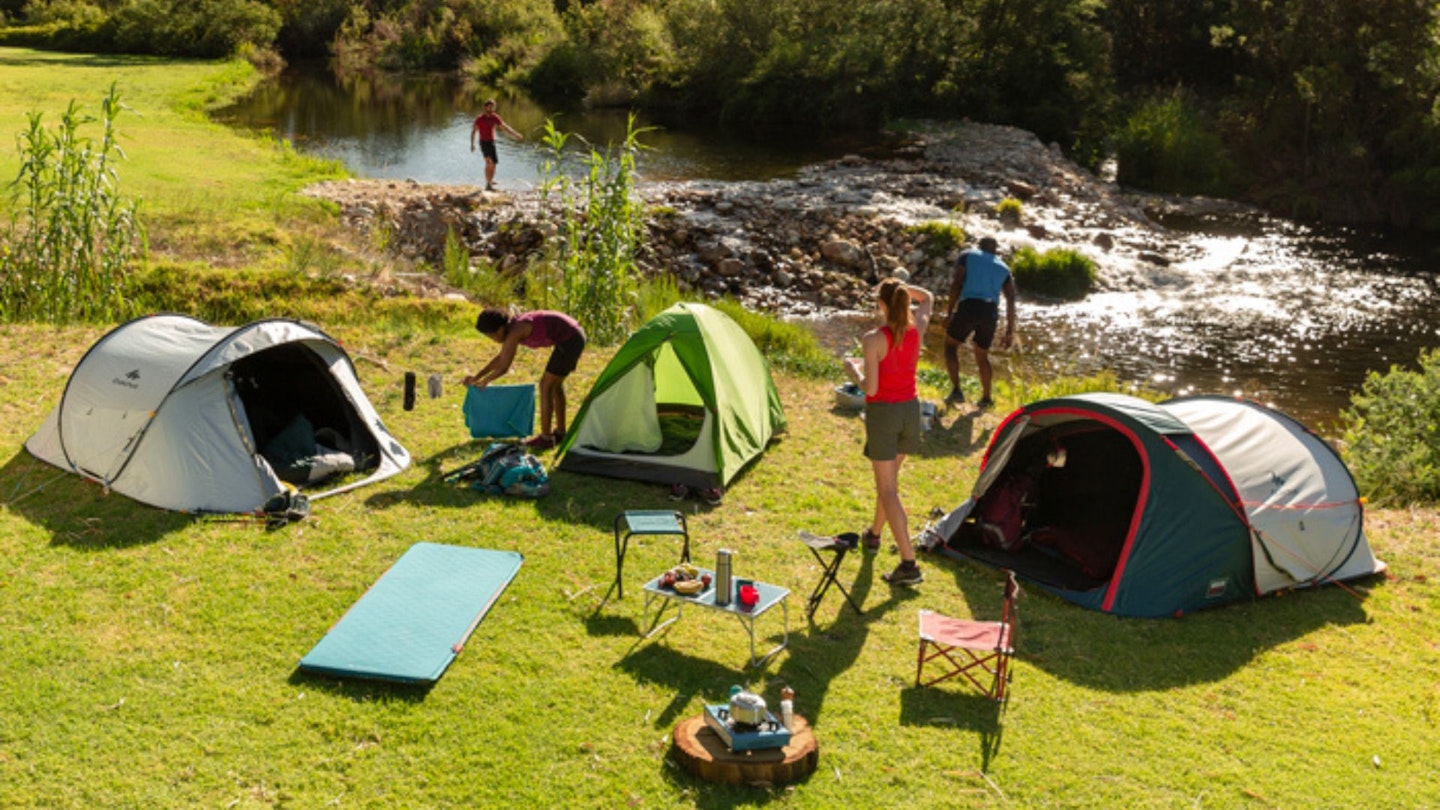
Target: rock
x,y
842,252
730,268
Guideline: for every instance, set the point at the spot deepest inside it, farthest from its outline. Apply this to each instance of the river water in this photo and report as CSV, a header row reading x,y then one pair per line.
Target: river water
x,y
1257,306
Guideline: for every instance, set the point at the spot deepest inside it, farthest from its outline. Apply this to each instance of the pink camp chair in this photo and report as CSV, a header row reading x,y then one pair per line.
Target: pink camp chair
x,y
981,651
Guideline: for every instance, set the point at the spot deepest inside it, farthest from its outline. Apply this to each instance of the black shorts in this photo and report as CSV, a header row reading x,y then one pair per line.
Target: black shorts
x,y
565,356
978,316
487,148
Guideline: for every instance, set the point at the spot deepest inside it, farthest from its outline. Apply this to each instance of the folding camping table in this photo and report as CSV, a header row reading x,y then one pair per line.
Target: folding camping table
x,y
770,596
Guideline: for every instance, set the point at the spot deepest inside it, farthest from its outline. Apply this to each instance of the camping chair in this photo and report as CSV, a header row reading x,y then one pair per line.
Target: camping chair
x,y
980,651
838,546
646,521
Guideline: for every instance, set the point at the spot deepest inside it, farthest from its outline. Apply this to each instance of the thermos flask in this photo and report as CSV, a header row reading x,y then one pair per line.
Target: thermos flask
x,y
722,577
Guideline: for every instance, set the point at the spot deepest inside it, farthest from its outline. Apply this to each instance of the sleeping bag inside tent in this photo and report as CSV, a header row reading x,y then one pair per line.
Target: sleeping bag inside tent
x,y
179,414
1138,509
688,399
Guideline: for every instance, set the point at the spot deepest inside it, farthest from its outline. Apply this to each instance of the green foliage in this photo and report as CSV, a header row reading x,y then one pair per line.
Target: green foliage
x,y
940,236
1058,272
1166,146
71,235
1010,211
480,278
1392,433
787,346
600,233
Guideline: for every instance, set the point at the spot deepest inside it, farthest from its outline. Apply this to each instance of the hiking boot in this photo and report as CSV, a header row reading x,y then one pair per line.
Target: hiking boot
x,y
544,441
955,397
984,404
679,492
870,540
906,573
711,495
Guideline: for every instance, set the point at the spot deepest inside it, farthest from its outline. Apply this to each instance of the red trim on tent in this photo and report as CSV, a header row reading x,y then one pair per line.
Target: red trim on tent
x,y
1004,424
1140,501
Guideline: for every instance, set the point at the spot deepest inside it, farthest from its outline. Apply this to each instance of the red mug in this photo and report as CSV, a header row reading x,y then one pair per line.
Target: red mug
x,y
749,595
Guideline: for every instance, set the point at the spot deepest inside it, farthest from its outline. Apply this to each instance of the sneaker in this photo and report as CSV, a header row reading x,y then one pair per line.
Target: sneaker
x,y
489,186
984,404
906,573
711,495
544,441
955,397
679,492
871,540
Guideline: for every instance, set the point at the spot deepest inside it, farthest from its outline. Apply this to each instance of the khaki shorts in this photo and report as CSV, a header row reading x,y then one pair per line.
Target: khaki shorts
x,y
892,429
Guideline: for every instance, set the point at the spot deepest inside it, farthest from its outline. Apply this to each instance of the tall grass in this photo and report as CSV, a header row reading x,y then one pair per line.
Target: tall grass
x,y
71,234
595,253
1058,272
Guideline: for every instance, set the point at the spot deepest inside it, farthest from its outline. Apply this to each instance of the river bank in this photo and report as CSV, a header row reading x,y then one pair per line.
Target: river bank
x,y
815,243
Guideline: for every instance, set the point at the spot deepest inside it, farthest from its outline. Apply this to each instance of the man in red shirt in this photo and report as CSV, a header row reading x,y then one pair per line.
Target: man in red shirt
x,y
485,125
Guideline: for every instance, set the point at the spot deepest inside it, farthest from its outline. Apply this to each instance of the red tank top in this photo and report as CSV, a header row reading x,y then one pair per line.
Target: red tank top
x,y
897,368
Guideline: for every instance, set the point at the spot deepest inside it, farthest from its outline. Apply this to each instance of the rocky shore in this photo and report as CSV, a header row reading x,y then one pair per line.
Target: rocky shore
x,y
816,243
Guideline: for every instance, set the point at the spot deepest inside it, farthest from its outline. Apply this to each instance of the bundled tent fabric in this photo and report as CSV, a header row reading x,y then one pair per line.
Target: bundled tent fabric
x,y
1138,509
688,399
179,414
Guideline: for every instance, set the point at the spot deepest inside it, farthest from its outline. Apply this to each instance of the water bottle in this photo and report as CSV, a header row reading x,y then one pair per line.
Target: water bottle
x,y
722,577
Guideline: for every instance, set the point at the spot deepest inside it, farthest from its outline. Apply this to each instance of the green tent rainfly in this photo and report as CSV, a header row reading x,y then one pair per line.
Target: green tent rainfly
x,y
687,400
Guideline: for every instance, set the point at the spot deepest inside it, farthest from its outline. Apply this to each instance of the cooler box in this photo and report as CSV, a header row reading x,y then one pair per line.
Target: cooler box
x,y
500,411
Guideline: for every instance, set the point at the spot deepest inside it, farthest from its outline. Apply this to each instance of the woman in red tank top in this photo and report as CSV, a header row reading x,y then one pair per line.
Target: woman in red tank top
x,y
886,372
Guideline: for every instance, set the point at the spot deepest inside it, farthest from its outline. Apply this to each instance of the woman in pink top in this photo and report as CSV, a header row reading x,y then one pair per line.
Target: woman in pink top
x,y
539,329
886,372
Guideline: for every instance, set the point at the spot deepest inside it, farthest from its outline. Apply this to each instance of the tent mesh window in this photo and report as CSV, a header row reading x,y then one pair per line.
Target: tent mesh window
x,y
1076,514
298,414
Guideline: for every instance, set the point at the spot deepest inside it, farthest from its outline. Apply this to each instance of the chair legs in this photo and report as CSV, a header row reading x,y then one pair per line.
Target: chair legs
x,y
978,651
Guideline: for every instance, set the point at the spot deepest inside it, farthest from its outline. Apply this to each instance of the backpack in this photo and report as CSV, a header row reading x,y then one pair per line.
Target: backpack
x,y
505,469
1001,518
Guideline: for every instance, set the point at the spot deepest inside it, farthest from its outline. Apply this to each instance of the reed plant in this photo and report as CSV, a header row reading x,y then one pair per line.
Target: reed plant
x,y
1058,272
592,263
71,235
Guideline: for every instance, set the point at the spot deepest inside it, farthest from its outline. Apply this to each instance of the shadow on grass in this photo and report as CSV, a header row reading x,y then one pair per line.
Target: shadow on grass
x,y
361,690
1126,655
78,513
953,707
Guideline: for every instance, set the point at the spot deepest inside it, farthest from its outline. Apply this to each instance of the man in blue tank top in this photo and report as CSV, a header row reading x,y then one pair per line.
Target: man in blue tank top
x,y
974,310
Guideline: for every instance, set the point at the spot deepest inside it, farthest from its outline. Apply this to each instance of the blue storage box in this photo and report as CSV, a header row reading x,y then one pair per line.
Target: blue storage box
x,y
500,411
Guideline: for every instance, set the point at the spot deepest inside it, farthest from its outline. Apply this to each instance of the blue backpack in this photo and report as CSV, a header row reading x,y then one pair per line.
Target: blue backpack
x,y
505,469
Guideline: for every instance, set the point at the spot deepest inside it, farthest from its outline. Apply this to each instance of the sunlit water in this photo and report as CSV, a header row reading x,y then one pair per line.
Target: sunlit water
x,y
1254,306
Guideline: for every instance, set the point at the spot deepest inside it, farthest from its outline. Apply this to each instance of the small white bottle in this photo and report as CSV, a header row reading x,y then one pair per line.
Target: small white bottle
x,y
787,708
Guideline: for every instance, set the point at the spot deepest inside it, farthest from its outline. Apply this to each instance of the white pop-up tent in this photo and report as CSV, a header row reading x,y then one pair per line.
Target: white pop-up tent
x,y
180,414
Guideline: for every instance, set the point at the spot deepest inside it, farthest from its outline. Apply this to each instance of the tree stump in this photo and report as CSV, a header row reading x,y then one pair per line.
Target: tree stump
x,y
703,753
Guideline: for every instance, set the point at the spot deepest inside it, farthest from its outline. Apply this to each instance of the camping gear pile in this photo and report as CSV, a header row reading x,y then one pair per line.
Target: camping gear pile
x,y
504,469
1138,509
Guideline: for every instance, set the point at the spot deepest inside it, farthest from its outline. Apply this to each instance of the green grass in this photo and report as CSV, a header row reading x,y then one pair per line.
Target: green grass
x,y
150,660
207,192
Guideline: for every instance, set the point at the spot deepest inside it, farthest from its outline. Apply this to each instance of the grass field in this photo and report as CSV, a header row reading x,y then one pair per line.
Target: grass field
x,y
148,659
151,659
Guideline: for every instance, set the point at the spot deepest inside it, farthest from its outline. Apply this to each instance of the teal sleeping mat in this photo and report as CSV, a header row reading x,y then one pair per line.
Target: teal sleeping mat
x,y
413,621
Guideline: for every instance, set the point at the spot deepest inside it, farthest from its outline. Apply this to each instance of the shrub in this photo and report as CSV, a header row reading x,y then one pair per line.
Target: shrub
x,y
939,236
1391,440
1009,210
1059,272
1167,146
592,260
71,235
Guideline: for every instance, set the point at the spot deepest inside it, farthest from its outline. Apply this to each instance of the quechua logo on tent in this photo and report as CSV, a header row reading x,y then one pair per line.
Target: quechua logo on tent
x,y
130,380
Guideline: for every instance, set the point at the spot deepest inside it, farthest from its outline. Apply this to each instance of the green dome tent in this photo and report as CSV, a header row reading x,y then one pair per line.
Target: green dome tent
x,y
1138,509
687,400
